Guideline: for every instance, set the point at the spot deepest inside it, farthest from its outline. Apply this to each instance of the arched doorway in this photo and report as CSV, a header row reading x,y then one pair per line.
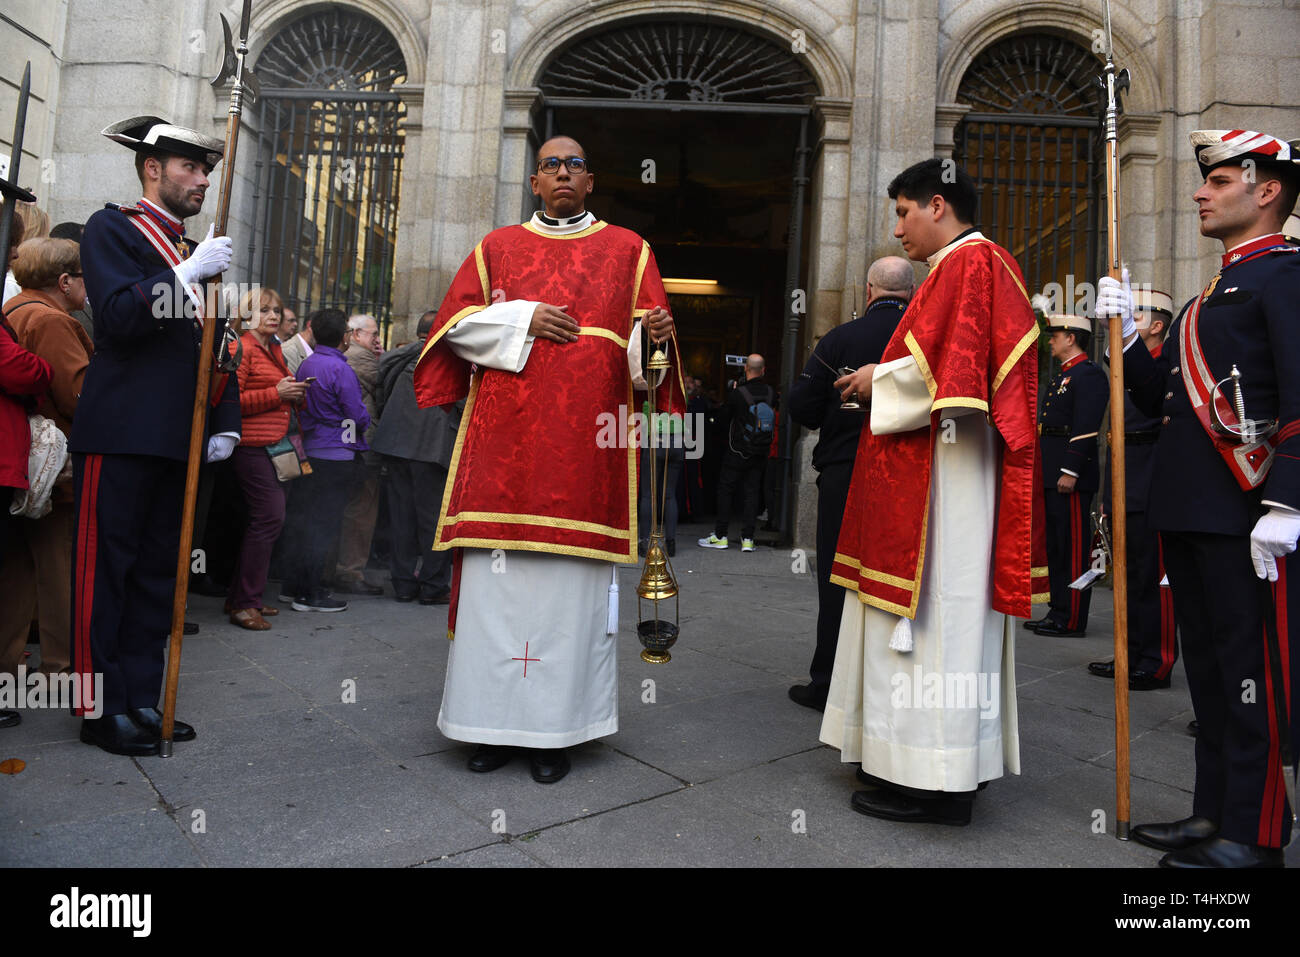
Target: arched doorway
x,y
328,168
1032,141
698,135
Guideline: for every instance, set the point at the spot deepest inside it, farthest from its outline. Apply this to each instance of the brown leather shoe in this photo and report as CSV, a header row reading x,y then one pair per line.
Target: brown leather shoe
x,y
251,619
269,611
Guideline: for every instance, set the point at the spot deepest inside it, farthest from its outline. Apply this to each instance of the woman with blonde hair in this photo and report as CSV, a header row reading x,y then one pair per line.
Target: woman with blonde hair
x,y
267,395
36,575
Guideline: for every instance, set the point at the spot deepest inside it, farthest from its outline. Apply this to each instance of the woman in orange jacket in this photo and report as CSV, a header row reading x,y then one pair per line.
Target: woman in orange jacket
x,y
267,395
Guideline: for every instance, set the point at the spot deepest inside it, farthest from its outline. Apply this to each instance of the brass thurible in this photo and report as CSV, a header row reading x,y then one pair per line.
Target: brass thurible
x,y
658,583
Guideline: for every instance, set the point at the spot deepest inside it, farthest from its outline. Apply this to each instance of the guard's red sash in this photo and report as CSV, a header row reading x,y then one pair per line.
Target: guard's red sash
x,y
163,244
1249,462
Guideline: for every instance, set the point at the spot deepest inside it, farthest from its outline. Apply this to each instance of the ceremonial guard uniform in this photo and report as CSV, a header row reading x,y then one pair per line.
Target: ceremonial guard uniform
x,y
1152,640
815,404
130,440
1067,426
1227,502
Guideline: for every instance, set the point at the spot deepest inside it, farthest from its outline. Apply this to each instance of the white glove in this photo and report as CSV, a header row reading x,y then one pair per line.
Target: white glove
x,y
1274,535
222,445
1115,298
210,258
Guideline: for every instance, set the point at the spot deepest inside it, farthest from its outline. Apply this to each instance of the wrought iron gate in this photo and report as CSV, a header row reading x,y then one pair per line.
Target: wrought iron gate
x,y
329,164
1033,144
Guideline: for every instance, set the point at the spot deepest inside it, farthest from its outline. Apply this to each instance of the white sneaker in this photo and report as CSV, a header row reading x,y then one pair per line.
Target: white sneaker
x,y
713,541
746,544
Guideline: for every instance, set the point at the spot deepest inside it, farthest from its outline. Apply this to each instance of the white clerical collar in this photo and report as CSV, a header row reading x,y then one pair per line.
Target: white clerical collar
x,y
963,238
561,227
164,214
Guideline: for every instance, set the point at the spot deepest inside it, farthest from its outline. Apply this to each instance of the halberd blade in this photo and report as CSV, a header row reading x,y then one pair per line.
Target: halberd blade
x,y
243,21
229,62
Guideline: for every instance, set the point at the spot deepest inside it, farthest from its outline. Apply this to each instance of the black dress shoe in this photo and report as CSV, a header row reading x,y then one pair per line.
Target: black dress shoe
x,y
1175,835
406,596
1102,669
872,781
190,628
1034,623
1221,852
892,806
118,734
1146,681
489,757
1193,728
151,720
1054,629
810,696
436,597
10,718
549,765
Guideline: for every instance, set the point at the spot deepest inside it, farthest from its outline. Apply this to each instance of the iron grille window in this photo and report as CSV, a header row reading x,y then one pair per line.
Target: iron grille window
x,y
328,170
1032,142
683,60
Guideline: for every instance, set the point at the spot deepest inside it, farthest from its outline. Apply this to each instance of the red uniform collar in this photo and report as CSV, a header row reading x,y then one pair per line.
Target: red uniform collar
x,y
1071,363
1238,253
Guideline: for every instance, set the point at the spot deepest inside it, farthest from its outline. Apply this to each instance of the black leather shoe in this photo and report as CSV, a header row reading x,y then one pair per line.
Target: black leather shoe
x,y
1146,681
190,628
549,765
1193,728
151,720
1032,624
10,718
118,734
1221,852
1175,835
872,781
489,757
810,696
1053,629
892,806
436,597
1102,669
406,596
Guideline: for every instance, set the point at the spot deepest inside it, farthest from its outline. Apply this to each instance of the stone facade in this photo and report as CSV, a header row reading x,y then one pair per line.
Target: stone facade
x,y
888,73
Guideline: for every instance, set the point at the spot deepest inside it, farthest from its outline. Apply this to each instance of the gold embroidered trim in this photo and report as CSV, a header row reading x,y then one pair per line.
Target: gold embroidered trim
x,y
914,348
604,333
960,402
546,547
1025,342
513,518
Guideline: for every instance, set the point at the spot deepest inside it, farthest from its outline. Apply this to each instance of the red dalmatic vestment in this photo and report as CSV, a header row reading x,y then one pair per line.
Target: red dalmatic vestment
x,y
533,467
972,332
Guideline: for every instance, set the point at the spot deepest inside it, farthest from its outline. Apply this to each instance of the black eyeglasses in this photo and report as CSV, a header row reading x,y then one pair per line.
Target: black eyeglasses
x,y
551,165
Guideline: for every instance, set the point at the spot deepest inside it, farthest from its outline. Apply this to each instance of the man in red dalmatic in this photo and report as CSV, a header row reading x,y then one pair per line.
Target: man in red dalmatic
x,y
540,330
942,536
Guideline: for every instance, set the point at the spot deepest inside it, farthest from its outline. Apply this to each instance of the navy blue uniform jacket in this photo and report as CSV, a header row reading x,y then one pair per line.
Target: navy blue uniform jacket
x,y
1076,400
1252,319
138,394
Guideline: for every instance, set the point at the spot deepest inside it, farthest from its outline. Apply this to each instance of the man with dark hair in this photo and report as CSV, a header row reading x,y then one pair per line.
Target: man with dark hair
x,y
416,445
71,231
333,420
815,404
543,479
938,542
131,435
1068,425
1227,477
1152,639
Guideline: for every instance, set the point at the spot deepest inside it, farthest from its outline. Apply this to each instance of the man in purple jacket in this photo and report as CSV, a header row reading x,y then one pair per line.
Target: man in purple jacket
x,y
333,421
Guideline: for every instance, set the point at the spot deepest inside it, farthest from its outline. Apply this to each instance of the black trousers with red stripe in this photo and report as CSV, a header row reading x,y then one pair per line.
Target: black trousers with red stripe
x,y
1220,606
1152,639
124,573
1069,547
